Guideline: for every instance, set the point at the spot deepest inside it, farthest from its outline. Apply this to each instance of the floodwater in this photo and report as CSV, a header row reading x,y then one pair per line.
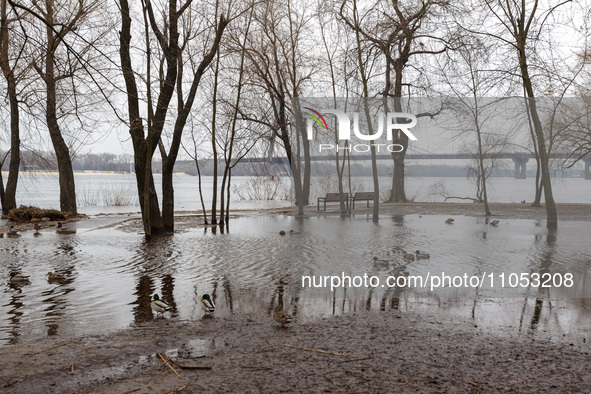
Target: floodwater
x,y
111,272
100,193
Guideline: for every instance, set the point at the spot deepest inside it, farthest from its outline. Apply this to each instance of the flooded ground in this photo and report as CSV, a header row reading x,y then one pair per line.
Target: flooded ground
x,y
94,331
111,272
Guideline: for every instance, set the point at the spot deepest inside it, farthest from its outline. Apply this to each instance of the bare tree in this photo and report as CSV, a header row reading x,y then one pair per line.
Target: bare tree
x,y
276,58
398,30
523,22
185,105
167,36
55,66
469,79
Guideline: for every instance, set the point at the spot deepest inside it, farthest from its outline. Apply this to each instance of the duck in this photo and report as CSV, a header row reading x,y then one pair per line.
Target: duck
x,y
60,229
15,277
13,232
408,256
450,221
281,232
55,276
294,232
421,255
280,316
380,264
207,304
37,227
159,306
494,223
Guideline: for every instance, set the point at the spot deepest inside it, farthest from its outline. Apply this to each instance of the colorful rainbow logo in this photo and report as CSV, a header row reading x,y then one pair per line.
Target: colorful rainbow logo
x,y
315,116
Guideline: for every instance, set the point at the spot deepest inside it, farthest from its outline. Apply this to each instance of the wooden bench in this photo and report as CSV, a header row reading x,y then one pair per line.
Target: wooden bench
x,y
333,197
362,196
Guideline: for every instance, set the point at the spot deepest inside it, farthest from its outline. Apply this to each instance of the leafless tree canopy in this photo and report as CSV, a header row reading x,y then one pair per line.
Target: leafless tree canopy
x,y
219,80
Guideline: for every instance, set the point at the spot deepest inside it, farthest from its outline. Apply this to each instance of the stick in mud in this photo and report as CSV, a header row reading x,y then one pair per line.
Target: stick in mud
x,y
169,366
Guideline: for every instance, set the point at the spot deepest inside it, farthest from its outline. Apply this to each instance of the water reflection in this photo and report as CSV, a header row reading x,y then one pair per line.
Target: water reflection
x,y
545,265
142,311
110,275
56,299
15,313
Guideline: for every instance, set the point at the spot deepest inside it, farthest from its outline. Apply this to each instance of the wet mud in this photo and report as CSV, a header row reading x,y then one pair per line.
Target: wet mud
x,y
364,352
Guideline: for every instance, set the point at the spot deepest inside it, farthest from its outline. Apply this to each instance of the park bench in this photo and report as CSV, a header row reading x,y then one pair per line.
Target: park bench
x,y
362,196
333,197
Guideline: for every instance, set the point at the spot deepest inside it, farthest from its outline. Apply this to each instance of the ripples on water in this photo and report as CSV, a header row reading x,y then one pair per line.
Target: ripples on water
x,y
111,274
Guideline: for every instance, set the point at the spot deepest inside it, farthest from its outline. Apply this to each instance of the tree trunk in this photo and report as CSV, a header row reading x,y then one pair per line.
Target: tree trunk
x,y
538,197
62,152
9,200
8,195
201,190
551,214
142,148
228,200
167,195
214,219
306,182
398,194
150,208
223,195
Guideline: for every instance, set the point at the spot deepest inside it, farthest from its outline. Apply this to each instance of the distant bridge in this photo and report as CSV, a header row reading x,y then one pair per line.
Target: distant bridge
x,y
520,159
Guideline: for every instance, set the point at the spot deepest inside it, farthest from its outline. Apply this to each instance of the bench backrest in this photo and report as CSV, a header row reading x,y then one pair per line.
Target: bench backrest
x,y
336,196
364,195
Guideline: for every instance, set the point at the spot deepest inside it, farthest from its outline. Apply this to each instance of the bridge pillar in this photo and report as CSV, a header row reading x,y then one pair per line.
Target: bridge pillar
x,y
587,160
520,167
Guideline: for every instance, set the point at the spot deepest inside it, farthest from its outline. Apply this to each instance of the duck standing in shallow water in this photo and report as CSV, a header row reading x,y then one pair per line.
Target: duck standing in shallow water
x,y
159,306
60,229
15,277
422,255
13,232
207,304
280,316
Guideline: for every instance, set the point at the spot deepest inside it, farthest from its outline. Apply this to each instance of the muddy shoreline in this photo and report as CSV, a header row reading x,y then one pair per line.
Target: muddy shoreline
x,y
363,352
377,352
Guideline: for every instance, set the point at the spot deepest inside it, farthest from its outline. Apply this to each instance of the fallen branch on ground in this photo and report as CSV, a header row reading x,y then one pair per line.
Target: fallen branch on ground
x,y
177,390
169,366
